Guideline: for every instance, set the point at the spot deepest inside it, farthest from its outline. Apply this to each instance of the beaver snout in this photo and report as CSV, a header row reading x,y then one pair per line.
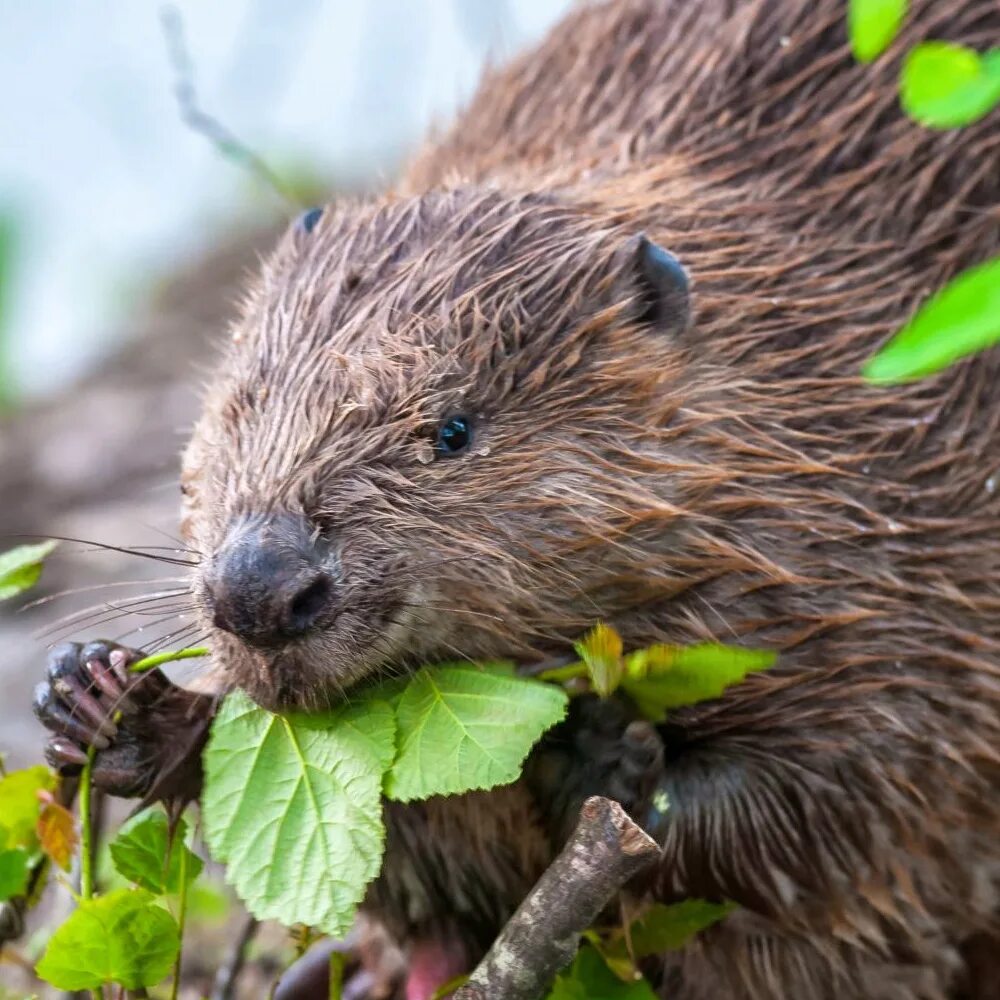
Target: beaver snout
x,y
272,581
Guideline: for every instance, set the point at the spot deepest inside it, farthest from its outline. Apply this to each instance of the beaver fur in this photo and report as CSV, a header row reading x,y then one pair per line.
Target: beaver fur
x,y
733,481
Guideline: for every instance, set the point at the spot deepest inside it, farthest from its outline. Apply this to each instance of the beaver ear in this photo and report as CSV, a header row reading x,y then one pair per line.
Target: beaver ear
x,y
660,286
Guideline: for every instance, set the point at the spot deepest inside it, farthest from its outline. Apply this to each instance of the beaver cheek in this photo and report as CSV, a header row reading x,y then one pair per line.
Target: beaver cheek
x,y
432,964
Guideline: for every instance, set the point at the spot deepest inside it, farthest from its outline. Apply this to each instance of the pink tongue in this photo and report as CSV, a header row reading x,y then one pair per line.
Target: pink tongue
x,y
432,964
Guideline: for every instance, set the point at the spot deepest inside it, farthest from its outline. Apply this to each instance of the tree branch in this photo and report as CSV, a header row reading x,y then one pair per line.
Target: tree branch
x,y
605,851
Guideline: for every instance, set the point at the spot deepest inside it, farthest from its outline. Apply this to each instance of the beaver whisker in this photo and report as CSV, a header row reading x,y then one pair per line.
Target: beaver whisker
x,y
97,614
175,608
161,613
456,611
137,551
90,588
187,633
461,654
146,627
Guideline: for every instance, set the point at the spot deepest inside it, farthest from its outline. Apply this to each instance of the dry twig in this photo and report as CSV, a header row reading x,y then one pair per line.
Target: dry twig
x,y
605,851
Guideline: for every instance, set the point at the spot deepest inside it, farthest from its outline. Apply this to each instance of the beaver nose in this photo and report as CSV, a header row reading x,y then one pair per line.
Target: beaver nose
x,y
271,581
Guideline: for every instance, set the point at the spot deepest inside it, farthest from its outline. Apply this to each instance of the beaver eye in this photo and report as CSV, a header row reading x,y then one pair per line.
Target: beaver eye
x,y
308,220
454,436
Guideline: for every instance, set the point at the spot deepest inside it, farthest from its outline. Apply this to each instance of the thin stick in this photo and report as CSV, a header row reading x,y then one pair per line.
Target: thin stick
x,y
605,851
557,675
225,979
203,123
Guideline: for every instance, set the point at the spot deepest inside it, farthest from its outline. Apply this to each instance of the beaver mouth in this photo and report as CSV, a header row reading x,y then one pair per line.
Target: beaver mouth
x,y
316,671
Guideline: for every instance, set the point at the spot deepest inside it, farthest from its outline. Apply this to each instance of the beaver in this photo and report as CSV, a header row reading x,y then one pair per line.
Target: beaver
x,y
596,359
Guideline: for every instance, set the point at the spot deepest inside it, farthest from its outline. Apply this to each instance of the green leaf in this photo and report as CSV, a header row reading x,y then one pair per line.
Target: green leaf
x,y
122,937
20,805
872,25
292,804
962,318
20,568
463,728
601,650
589,978
139,852
945,85
664,677
668,928
15,867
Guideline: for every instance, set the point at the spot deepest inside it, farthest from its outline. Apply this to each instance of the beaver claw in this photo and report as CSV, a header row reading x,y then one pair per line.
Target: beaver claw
x,y
137,723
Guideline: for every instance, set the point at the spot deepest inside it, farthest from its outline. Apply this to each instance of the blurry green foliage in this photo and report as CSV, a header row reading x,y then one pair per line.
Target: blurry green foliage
x,y
945,86
21,567
962,318
589,977
872,25
942,86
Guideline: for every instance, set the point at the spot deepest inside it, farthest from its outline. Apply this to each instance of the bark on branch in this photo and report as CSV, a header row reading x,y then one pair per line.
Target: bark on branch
x,y
605,851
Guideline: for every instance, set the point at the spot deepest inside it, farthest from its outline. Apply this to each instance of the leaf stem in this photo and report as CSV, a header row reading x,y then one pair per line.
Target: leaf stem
x,y
181,913
148,662
86,835
338,963
86,839
557,675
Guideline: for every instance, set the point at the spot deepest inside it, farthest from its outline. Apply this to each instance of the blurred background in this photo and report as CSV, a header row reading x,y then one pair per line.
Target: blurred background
x,y
125,234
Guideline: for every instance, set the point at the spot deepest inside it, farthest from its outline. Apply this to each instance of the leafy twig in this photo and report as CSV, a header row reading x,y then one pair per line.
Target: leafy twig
x,y
605,851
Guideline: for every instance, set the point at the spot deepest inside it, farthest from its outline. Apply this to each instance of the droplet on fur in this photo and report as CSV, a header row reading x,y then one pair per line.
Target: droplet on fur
x,y
894,527
991,484
237,336
784,41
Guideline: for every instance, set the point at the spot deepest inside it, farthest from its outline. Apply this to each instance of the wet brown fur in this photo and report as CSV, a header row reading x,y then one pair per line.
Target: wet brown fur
x,y
736,482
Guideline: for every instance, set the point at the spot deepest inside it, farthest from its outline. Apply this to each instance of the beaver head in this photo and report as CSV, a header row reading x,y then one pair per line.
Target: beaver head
x,y
419,443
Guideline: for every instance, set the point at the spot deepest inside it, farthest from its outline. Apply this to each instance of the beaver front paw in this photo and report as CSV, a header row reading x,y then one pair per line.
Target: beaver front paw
x,y
148,733
618,758
600,749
